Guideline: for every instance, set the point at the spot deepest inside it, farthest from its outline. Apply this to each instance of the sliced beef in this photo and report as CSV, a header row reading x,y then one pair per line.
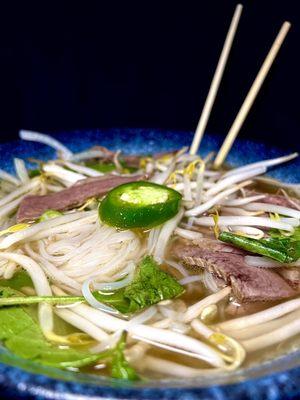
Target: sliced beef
x,y
211,245
33,207
291,275
248,283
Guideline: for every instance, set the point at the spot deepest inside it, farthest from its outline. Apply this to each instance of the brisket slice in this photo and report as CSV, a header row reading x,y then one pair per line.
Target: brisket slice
x,y
33,207
248,283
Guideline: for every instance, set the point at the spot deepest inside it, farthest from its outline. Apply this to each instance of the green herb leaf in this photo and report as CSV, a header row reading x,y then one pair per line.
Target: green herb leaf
x,y
109,166
101,166
150,286
282,249
18,281
120,368
295,236
34,172
21,334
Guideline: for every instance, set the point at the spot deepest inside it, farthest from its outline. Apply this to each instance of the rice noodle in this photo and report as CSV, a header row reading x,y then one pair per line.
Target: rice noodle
x,y
86,291
48,140
152,239
116,285
43,227
165,235
52,272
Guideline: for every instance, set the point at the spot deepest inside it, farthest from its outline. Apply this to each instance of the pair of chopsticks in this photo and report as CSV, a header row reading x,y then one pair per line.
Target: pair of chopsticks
x,y
249,99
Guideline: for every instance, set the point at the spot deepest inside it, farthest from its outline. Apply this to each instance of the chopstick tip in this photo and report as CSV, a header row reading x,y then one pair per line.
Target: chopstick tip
x,y
287,24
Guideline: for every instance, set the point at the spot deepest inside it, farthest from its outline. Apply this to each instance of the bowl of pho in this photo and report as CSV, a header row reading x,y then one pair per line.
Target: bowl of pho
x,y
151,264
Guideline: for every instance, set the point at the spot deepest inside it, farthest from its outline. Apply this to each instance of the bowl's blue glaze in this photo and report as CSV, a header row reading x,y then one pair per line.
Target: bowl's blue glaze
x,y
275,380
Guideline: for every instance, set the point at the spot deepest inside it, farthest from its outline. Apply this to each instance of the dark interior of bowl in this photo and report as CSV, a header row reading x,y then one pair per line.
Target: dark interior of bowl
x,y
275,379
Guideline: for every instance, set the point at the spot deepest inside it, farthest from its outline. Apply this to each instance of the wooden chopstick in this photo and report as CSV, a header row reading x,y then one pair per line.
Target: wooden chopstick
x,y
245,108
216,80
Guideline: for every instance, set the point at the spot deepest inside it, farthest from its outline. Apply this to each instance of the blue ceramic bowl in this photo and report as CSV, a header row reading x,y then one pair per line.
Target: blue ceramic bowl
x,y
272,380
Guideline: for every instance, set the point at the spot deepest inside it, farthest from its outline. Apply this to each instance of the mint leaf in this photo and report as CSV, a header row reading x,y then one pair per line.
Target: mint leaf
x,y
150,286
